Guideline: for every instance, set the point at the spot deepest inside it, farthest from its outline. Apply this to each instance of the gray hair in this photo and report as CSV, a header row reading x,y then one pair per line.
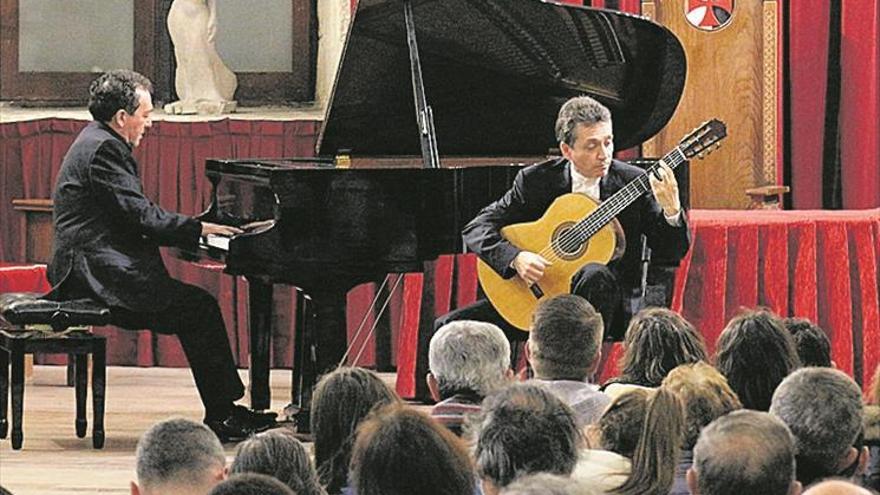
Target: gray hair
x,y
565,338
177,451
469,356
525,429
745,453
823,408
579,110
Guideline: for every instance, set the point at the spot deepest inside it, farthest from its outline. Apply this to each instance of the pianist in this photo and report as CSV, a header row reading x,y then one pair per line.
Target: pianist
x,y
584,132
106,247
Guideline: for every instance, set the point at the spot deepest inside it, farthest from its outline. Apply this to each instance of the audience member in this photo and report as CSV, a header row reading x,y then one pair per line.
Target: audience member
x,y
706,397
468,361
279,454
564,348
656,341
547,484
744,453
836,487
823,409
342,399
251,484
755,352
524,429
400,451
178,456
811,342
640,434
872,433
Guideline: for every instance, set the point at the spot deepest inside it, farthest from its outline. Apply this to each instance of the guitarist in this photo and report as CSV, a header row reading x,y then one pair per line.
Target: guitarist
x,y
584,131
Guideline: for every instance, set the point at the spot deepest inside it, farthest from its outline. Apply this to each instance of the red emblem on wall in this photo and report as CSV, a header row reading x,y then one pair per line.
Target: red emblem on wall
x,y
709,15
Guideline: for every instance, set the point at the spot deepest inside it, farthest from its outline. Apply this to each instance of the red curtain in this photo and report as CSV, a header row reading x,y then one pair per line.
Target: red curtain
x,y
836,43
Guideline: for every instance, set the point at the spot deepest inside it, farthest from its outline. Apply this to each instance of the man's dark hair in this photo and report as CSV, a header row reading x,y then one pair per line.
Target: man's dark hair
x,y
525,429
565,338
755,353
116,90
251,484
745,453
811,342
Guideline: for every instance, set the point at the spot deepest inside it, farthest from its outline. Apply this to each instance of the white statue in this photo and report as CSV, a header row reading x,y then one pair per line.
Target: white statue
x,y
204,84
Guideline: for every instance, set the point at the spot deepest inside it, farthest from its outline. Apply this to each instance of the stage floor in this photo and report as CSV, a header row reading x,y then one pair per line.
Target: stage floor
x,y
54,461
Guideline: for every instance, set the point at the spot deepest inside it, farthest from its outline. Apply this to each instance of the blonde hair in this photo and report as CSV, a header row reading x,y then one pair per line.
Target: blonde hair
x,y
705,394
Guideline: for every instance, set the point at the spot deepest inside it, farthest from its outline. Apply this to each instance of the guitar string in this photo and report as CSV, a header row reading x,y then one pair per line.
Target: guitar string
x,y
574,237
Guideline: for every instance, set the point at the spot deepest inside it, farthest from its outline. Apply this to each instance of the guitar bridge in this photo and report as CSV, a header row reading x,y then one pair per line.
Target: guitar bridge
x,y
536,291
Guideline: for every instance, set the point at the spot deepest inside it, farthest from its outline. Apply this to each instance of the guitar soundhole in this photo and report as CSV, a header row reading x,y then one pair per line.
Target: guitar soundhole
x,y
568,244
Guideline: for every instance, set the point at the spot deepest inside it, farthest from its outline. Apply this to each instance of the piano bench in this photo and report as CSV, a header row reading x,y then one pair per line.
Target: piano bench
x,y
30,325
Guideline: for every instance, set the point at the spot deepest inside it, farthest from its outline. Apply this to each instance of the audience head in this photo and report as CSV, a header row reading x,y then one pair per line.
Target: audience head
x,y
547,484
810,341
566,339
836,487
744,453
468,357
342,399
755,352
656,341
252,484
705,394
279,454
401,451
645,426
524,429
823,409
178,456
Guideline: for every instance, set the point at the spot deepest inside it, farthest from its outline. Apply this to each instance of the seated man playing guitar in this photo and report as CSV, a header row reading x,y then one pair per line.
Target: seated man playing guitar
x,y
585,136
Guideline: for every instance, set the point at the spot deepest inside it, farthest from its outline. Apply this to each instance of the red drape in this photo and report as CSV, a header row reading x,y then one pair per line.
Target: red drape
x,y
809,62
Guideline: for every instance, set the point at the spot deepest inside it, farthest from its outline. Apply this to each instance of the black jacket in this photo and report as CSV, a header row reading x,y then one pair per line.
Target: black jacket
x,y
107,233
534,189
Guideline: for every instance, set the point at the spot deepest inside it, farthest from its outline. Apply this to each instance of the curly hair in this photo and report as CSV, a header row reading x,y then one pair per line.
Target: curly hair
x,y
116,90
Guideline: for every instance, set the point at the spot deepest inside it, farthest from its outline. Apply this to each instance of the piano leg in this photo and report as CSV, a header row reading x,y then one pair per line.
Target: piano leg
x,y
260,307
319,345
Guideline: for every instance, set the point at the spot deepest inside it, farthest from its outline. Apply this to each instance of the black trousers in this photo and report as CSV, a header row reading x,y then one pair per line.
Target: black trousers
x,y
594,282
195,317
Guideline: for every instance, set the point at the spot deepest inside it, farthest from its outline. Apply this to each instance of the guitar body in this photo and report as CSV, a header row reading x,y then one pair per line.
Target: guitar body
x,y
551,237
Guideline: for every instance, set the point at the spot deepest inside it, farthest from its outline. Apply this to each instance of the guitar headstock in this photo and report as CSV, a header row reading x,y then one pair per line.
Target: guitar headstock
x,y
704,139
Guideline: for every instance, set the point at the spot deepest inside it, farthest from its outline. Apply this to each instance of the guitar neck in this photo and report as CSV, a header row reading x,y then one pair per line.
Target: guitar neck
x,y
612,206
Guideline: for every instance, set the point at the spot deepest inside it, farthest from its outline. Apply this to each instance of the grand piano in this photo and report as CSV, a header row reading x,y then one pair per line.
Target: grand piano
x,y
435,107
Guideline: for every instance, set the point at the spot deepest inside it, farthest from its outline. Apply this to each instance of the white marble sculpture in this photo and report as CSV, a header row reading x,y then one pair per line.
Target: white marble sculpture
x,y
204,84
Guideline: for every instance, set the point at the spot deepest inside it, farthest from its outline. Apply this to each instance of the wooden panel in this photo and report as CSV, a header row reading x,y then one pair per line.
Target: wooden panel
x,y
36,229
731,76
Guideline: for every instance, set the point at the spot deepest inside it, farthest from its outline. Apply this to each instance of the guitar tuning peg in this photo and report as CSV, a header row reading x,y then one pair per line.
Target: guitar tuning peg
x,y
701,155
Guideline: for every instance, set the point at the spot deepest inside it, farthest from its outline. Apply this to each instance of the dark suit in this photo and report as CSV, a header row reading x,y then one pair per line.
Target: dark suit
x,y
106,247
534,189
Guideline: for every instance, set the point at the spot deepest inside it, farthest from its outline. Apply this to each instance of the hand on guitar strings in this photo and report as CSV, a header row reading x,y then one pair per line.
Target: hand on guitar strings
x,y
665,189
530,266
217,229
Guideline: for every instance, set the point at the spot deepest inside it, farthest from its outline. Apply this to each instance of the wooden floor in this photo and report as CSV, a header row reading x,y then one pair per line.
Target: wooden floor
x,y
54,461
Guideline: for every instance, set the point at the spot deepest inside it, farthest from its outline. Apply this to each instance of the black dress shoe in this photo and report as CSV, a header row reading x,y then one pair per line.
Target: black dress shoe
x,y
230,429
257,421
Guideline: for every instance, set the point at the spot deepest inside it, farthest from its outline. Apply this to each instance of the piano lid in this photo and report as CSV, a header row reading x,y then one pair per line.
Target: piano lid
x,y
496,73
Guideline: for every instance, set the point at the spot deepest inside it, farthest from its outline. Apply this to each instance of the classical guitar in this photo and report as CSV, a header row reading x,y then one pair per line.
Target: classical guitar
x,y
576,230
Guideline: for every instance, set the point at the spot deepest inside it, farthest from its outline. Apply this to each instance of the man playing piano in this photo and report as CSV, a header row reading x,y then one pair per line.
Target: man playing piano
x,y
584,132
106,247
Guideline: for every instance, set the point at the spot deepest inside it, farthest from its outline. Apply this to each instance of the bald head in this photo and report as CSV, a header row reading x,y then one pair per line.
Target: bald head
x,y
836,487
